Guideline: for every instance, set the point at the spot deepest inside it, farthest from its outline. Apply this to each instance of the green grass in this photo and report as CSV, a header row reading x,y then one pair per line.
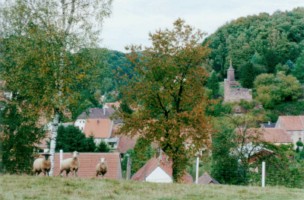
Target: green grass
x,y
29,187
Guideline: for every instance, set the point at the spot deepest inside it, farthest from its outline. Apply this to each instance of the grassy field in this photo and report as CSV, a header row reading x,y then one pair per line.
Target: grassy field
x,y
29,187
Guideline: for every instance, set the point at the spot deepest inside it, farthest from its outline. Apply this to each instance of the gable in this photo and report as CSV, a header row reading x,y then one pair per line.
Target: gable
x,y
158,175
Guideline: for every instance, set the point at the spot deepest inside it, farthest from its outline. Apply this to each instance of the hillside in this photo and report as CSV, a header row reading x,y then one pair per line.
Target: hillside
x,y
258,44
28,187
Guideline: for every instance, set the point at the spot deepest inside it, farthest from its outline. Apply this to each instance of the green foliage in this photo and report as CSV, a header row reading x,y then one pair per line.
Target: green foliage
x,y
247,75
103,147
217,108
298,71
261,43
274,89
281,168
90,144
285,108
225,166
18,138
141,153
213,85
71,139
167,95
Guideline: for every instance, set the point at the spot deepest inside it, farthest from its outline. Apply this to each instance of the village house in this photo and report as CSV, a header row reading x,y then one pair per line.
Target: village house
x,y
158,170
293,125
96,122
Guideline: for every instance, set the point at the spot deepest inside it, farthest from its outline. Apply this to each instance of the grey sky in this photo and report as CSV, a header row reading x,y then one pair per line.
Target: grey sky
x,y
132,20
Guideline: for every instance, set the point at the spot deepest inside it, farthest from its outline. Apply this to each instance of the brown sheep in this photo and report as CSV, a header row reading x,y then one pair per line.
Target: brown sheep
x,y
101,167
70,165
42,165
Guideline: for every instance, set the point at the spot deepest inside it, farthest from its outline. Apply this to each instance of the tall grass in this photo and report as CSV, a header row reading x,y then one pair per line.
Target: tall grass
x,y
29,187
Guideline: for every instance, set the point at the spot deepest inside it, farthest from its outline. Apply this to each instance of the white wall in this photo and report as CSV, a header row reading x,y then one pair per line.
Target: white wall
x,y
80,123
295,135
159,176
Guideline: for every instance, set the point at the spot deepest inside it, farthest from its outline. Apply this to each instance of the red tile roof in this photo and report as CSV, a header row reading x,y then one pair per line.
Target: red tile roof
x,y
99,128
207,179
291,123
125,143
275,135
164,163
88,162
270,135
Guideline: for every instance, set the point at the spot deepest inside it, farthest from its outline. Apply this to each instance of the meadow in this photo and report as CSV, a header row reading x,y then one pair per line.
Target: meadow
x,y
30,187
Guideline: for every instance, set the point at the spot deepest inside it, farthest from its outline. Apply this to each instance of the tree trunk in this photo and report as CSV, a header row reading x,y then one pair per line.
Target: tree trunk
x,y
178,167
53,141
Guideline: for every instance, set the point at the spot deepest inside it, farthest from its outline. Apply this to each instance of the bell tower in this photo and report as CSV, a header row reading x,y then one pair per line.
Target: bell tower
x,y
230,73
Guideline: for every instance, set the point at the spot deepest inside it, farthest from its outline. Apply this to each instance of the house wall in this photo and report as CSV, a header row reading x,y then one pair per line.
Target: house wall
x,y
79,123
295,136
159,176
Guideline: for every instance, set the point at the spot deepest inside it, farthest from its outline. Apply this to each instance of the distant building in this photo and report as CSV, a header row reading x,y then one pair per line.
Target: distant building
x,y
96,122
159,170
233,92
293,125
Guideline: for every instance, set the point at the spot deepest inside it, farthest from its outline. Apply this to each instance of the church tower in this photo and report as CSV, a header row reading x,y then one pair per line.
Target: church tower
x,y
230,73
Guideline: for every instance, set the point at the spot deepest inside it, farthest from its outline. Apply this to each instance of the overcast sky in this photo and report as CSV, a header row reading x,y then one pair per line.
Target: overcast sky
x,y
132,20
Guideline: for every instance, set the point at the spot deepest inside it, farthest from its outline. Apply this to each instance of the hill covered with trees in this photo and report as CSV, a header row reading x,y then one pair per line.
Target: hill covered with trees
x,y
258,44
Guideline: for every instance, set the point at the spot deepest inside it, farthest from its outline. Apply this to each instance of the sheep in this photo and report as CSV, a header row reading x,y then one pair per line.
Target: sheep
x,y
101,167
70,164
42,165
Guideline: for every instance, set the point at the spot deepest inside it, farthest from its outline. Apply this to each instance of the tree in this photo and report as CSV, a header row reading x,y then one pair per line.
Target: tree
x,y
141,153
272,90
71,139
19,138
103,147
236,139
298,71
44,35
213,84
248,74
167,95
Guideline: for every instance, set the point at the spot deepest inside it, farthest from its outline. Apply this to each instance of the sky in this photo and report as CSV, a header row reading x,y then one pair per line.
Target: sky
x,y
132,20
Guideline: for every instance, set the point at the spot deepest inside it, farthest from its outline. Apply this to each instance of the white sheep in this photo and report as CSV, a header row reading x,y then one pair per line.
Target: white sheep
x,y
42,165
101,167
70,165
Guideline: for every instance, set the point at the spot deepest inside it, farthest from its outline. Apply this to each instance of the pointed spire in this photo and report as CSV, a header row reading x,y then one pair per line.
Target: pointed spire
x,y
230,67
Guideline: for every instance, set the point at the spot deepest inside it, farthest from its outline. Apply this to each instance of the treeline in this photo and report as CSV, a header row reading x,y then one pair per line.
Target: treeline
x,y
260,44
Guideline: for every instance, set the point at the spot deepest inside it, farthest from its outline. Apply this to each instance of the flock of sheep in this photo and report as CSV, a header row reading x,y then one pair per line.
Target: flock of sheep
x,y
68,165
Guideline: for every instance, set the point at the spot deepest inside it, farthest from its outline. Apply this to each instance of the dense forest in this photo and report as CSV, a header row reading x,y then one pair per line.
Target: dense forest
x,y
258,44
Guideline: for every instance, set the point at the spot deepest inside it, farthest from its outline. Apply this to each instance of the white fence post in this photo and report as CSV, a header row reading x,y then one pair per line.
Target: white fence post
x,y
197,170
60,157
263,173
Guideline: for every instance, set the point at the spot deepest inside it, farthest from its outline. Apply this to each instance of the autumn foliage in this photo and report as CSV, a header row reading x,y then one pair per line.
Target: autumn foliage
x,y
167,94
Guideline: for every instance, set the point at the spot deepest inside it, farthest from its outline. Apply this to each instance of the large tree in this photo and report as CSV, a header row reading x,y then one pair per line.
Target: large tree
x,y
41,39
274,89
167,94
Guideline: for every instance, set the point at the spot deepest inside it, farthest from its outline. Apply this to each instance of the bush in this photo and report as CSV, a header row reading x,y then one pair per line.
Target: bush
x,y
70,139
103,147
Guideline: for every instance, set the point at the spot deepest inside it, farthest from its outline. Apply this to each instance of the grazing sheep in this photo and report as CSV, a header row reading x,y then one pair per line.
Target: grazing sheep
x,y
42,165
101,167
70,165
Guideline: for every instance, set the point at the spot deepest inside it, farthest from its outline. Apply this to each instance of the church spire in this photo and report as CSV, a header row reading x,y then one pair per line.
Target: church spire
x,y
230,61
230,72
